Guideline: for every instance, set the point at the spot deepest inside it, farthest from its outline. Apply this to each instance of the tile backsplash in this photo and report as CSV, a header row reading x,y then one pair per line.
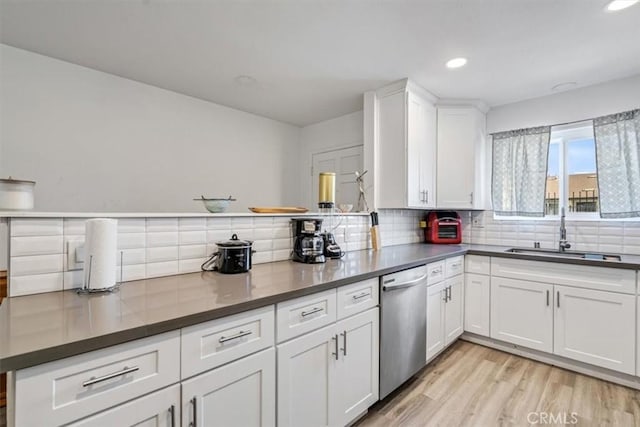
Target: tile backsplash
x,y
154,247
600,236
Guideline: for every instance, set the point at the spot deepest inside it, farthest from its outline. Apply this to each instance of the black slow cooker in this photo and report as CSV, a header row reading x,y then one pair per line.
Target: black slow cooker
x,y
233,256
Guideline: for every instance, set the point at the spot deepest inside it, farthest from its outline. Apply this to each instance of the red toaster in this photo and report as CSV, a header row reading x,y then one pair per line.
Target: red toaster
x,y
443,227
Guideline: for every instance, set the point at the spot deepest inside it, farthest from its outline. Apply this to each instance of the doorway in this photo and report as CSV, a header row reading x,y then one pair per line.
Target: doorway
x,y
344,162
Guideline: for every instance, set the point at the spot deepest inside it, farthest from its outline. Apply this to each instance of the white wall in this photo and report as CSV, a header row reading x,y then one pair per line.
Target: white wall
x,y
341,132
579,104
97,142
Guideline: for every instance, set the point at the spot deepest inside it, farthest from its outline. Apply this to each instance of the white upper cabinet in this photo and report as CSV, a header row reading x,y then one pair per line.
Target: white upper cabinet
x,y
406,129
462,178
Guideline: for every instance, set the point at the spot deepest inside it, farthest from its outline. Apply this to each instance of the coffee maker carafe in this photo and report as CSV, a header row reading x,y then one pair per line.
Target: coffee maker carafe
x,y
308,245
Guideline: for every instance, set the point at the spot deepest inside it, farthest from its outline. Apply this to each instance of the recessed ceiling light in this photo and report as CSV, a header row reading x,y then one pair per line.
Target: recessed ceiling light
x,y
456,62
563,86
616,5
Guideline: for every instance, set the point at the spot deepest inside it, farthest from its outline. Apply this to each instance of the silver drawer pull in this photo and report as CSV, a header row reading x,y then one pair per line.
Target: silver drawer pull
x,y
362,295
312,311
234,337
109,376
438,271
456,265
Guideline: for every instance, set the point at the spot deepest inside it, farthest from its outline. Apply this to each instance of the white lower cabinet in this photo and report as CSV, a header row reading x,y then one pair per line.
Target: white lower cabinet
x,y
595,327
477,302
522,313
329,376
445,314
159,409
241,393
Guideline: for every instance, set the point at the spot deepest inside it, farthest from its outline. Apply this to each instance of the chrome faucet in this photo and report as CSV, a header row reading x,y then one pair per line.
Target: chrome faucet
x,y
563,245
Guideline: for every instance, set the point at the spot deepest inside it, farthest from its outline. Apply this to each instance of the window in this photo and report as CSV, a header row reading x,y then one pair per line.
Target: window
x,y
571,172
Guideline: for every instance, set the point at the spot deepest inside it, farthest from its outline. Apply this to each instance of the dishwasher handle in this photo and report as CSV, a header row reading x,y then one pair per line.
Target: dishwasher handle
x,y
402,285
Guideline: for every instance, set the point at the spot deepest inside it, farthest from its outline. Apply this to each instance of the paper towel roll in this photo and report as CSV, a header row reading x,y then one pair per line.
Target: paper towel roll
x,y
100,247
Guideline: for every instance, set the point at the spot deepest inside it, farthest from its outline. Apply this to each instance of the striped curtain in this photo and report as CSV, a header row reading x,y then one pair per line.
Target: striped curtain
x,y
520,171
618,159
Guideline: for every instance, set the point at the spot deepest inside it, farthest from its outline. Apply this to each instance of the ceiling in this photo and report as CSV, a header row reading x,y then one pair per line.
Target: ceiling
x,y
312,60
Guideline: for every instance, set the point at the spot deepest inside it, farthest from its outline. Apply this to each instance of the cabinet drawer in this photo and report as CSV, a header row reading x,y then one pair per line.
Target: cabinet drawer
x,y
477,264
304,314
357,297
454,266
160,409
211,344
72,388
435,272
581,276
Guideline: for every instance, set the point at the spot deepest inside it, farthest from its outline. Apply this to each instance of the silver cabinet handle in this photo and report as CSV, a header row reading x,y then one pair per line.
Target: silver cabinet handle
x,y
335,338
558,300
362,295
234,337
446,297
194,403
547,297
109,376
404,284
172,414
344,338
427,196
312,311
436,271
471,197
449,292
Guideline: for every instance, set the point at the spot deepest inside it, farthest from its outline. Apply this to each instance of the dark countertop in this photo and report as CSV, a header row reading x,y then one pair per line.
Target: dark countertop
x,y
35,329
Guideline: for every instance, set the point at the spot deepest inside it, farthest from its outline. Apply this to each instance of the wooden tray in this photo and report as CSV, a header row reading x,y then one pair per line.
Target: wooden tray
x,y
282,209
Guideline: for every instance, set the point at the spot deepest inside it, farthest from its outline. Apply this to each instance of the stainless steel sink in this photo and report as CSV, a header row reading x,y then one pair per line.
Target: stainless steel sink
x,y
565,254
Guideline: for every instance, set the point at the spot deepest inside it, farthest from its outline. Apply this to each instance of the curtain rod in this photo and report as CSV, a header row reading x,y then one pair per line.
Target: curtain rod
x,y
567,123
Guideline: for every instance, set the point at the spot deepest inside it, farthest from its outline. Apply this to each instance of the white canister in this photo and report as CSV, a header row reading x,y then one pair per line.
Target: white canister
x,y
16,194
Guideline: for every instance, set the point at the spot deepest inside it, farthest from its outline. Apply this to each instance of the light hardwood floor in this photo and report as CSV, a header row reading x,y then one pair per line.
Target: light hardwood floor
x,y
472,385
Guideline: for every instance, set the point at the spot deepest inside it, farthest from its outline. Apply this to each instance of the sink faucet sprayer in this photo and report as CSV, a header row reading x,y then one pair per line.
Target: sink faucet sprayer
x,y
563,245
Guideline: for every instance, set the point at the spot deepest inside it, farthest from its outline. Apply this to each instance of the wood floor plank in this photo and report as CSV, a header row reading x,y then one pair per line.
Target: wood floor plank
x,y
471,385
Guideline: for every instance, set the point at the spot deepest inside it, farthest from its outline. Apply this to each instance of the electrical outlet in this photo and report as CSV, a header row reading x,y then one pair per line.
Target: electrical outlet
x,y
75,255
477,220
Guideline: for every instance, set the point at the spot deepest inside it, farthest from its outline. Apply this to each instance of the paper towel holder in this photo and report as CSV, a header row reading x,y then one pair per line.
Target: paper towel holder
x,y
86,289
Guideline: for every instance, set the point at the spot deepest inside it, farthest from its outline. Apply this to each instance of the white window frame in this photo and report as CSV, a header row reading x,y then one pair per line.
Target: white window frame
x,y
563,135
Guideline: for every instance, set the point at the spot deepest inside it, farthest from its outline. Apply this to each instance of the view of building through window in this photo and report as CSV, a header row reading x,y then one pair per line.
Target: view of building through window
x,y
571,173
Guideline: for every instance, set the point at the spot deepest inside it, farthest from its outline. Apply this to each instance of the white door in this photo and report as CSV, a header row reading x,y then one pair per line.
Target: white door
x,y
306,377
241,394
435,319
159,409
344,163
595,327
357,369
477,291
454,309
522,313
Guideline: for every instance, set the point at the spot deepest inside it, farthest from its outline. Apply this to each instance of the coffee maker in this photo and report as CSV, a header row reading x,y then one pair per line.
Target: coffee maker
x,y
308,245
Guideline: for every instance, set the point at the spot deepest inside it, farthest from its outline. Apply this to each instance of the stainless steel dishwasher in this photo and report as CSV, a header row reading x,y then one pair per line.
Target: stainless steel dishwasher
x,y
403,327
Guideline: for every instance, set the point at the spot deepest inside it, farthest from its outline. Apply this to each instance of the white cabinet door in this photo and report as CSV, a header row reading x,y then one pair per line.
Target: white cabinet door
x,y
522,313
241,394
454,309
477,293
421,152
406,128
435,318
306,377
461,143
595,327
357,368
159,409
